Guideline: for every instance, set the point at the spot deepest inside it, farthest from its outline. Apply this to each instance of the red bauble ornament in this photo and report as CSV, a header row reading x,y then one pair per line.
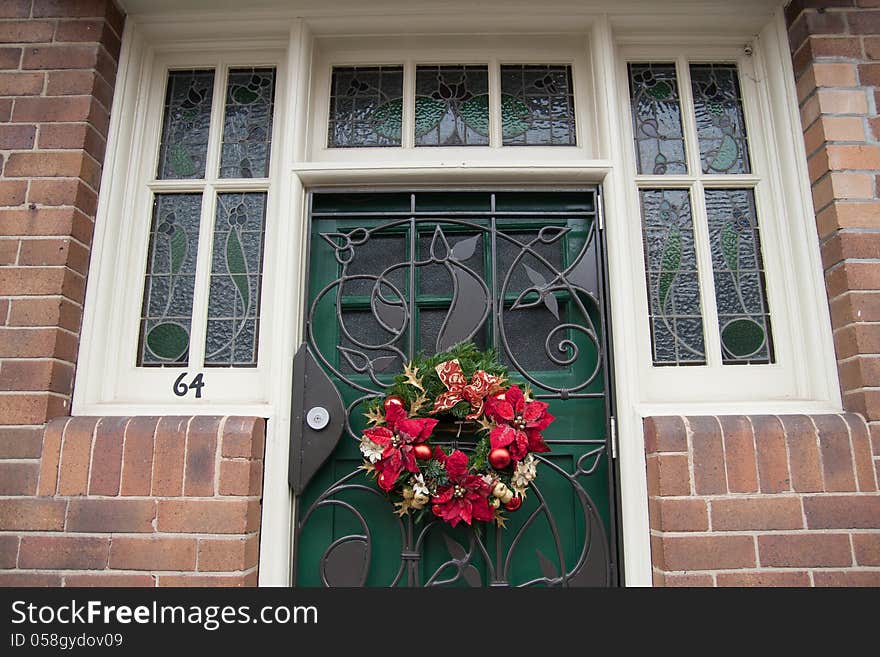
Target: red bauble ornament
x,y
392,400
499,458
385,480
422,452
513,504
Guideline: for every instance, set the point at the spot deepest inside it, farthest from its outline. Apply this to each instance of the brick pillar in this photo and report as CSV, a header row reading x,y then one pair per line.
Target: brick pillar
x,y
835,48
58,64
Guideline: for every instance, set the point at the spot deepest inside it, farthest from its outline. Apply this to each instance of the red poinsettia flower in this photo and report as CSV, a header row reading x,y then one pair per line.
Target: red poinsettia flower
x,y
466,495
519,423
398,437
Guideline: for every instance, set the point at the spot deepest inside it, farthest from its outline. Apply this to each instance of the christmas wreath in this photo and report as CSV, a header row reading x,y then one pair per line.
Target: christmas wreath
x,y
434,400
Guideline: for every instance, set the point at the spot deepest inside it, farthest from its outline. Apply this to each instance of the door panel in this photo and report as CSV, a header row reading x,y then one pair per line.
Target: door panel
x,y
395,274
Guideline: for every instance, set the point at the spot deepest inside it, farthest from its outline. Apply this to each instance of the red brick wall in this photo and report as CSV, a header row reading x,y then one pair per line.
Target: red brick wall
x,y
763,501
141,501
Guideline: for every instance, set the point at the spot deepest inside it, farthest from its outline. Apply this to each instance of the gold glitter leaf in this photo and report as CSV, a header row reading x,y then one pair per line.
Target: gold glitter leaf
x,y
375,417
412,378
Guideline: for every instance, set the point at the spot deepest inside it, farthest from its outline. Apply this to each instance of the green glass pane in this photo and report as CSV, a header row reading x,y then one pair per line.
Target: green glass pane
x,y
236,274
738,269
537,106
452,106
721,124
366,106
185,124
166,314
674,305
247,123
656,117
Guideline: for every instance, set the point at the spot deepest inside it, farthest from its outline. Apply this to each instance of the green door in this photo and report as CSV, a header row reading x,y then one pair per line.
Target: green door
x,y
392,275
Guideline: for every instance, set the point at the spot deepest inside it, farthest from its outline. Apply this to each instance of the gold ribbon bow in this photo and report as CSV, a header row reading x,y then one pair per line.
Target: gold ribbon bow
x,y
482,384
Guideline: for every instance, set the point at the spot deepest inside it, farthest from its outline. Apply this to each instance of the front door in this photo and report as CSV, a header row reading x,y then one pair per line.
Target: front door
x,y
392,275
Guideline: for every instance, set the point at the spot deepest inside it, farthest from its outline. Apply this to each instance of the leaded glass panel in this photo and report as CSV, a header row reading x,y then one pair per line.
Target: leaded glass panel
x,y
452,106
236,273
185,124
166,314
366,106
537,106
247,123
656,115
743,316
721,126
674,306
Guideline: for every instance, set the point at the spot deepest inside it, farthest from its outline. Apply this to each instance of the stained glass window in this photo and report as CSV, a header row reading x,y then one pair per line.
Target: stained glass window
x,y
236,273
537,106
366,106
185,124
721,126
743,317
452,106
247,124
674,306
170,280
656,116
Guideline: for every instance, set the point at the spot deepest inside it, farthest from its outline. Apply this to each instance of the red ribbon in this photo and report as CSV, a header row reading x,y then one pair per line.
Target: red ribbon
x,y
482,385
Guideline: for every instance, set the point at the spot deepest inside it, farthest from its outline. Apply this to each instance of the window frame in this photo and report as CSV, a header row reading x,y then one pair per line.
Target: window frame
x,y
794,375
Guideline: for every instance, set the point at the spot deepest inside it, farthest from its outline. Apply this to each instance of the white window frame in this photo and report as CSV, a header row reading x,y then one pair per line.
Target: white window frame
x,y
602,28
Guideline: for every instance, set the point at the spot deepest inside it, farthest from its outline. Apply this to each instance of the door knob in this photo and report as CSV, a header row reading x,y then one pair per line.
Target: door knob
x,y
318,417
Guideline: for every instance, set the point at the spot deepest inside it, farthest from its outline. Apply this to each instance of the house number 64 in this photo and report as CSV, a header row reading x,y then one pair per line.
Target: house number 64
x,y
181,388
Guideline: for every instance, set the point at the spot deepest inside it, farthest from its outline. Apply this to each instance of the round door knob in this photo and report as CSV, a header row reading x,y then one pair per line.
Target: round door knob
x,y
317,418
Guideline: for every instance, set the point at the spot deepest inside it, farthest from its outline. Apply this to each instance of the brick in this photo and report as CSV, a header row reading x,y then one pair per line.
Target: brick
x,y
8,256
849,244
850,276
804,550
63,192
45,311
848,214
36,375
110,580
228,555
32,407
19,478
674,515
765,578
847,578
168,456
811,22
51,456
8,552
20,580
243,437
866,402
842,101
201,581
857,339
5,111
689,580
15,9
10,57
76,452
842,186
708,552
836,454
17,137
739,454
21,84
864,22
106,470
668,474
665,434
861,443
64,552
756,513
53,164
79,31
137,456
116,515
26,31
54,252
208,516
842,511
773,475
27,442
867,549
815,46
55,57
142,553
241,477
12,192
47,221
32,514
73,136
29,342
708,456
201,456
803,450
